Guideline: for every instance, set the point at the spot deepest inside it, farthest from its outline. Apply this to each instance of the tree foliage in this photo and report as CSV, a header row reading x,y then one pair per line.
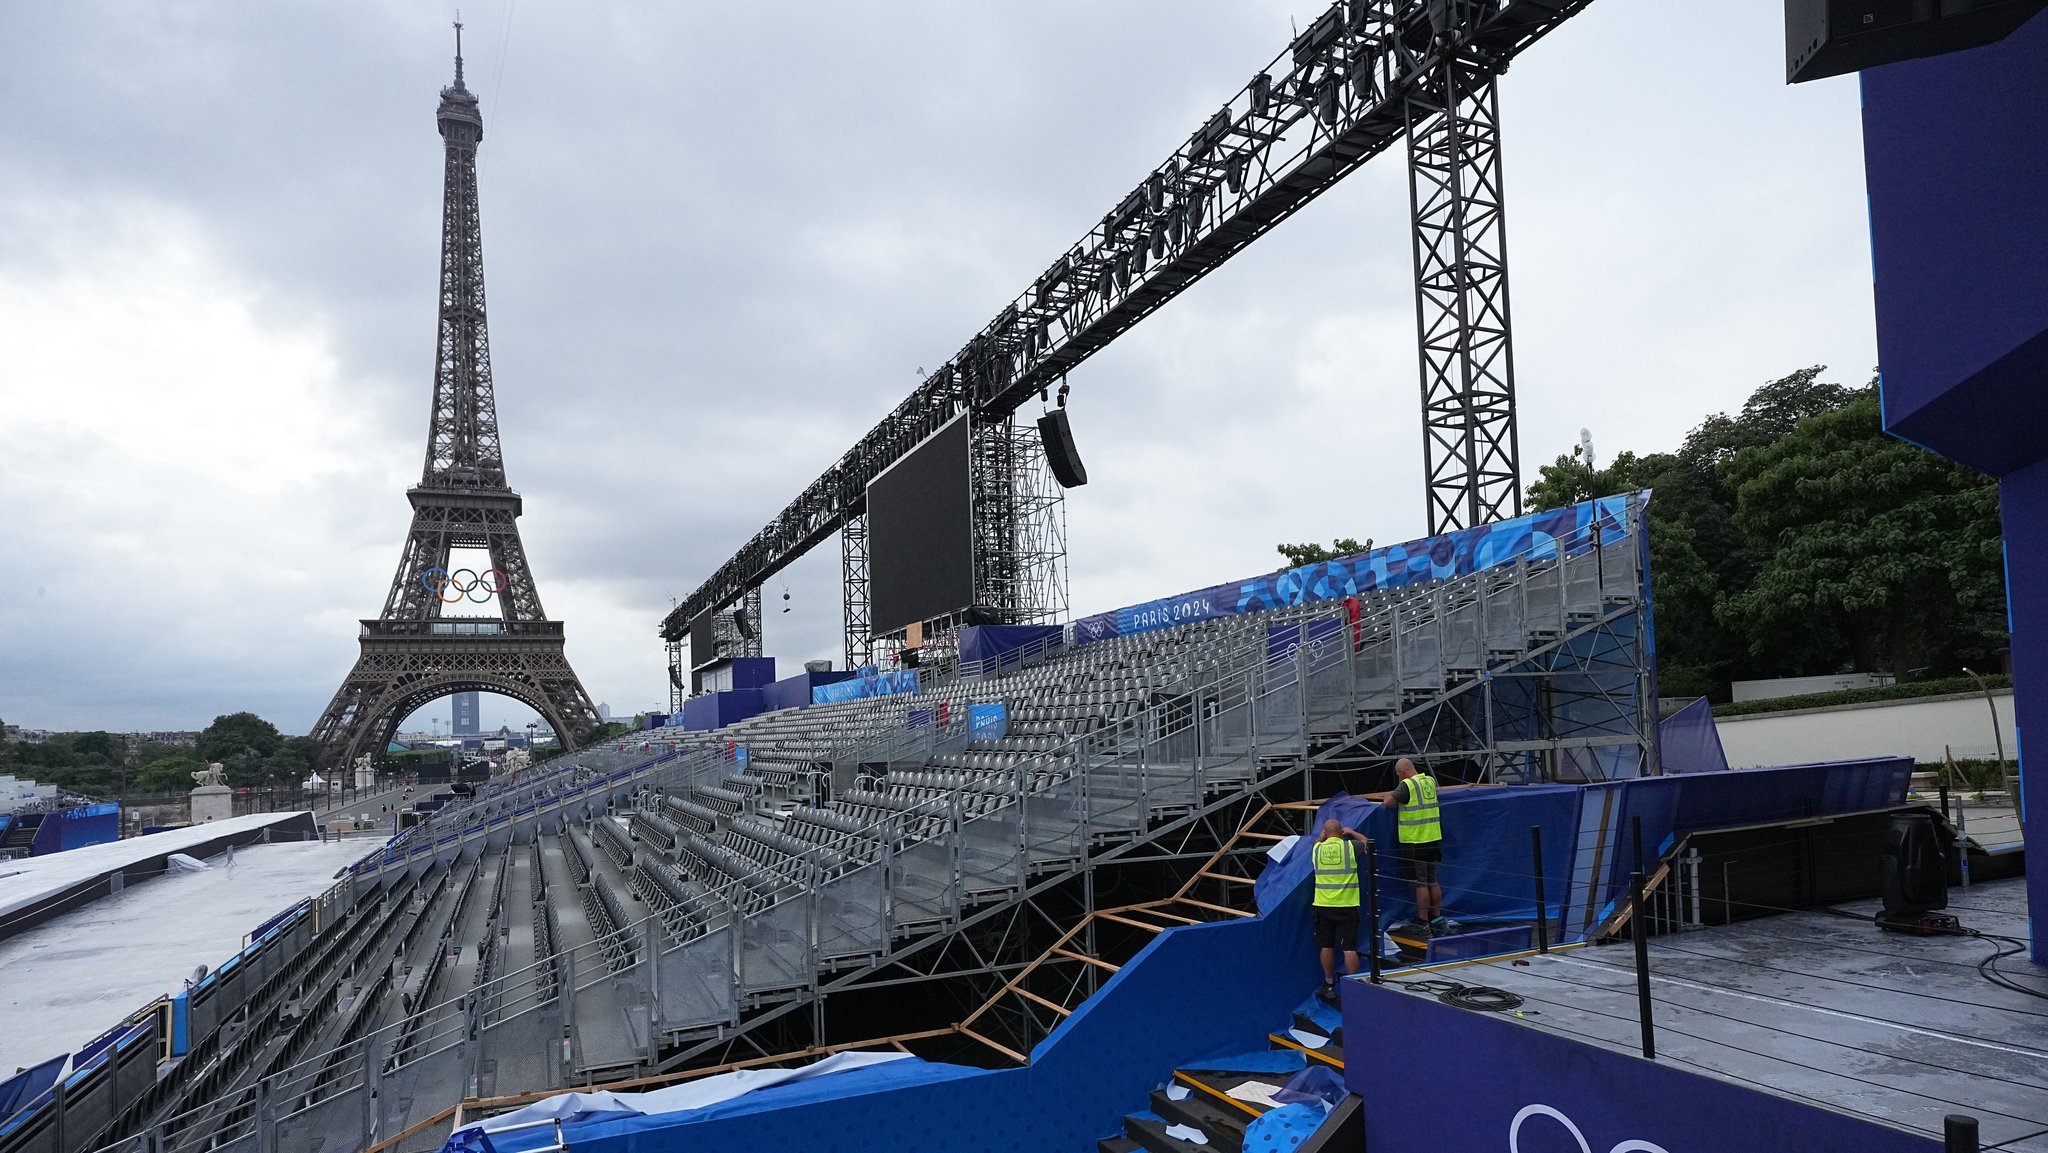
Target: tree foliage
x,y
1304,554
1795,538
101,764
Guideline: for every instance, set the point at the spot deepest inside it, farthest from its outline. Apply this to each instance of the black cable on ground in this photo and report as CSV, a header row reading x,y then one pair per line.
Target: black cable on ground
x,y
2002,947
1479,998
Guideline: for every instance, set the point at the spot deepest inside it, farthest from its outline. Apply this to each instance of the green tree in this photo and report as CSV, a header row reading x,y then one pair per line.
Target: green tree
x,y
1720,572
1303,554
171,774
1872,551
242,742
292,760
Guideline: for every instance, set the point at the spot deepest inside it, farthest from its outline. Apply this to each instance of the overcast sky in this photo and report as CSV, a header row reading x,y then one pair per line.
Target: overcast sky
x,y
720,240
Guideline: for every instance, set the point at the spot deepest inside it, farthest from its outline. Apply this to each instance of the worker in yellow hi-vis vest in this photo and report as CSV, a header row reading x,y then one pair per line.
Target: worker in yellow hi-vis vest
x,y
1336,904
1418,821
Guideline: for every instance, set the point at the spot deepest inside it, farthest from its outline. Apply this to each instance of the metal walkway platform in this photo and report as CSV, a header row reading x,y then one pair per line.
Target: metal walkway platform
x,y
1824,1009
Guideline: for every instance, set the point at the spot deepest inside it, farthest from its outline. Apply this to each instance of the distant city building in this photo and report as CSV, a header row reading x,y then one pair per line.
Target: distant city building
x,y
604,713
1801,686
177,738
19,735
468,710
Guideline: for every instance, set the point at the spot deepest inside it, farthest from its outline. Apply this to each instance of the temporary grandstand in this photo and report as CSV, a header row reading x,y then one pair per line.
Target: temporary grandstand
x,y
683,899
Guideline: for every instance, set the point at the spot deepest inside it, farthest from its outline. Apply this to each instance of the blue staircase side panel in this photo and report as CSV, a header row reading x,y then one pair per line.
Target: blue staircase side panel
x,y
1790,792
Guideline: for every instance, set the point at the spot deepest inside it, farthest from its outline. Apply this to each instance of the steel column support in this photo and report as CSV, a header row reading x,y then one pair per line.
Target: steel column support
x,y
1471,461
853,561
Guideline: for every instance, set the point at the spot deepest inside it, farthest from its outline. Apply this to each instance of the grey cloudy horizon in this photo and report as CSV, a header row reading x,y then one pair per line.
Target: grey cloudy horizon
x,y
721,240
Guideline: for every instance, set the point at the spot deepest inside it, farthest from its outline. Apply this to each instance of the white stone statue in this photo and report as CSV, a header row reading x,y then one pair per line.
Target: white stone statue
x,y
213,775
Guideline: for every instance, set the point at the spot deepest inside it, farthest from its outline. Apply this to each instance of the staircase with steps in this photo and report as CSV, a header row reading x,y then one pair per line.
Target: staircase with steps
x,y
1221,1098
20,837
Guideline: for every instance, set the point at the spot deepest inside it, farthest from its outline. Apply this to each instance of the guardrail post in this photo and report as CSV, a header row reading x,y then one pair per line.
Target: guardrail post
x,y
1372,911
367,1115
1542,905
266,1116
1642,941
1959,1134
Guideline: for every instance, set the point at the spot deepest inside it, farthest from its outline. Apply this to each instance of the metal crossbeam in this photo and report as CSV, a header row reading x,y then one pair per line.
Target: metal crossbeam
x,y
1341,92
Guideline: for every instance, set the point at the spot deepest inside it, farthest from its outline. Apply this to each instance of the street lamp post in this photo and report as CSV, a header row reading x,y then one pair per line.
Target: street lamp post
x,y
1997,738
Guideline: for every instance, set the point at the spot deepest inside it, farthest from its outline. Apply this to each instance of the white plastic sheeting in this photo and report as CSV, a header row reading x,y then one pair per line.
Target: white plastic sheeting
x,y
678,1098
27,881
74,977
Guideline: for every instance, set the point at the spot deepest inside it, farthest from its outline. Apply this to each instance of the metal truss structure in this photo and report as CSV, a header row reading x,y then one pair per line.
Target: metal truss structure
x,y
1470,460
853,560
1360,76
1019,525
413,653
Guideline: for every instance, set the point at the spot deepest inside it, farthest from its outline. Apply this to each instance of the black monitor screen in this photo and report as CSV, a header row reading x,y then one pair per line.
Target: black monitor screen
x,y
921,534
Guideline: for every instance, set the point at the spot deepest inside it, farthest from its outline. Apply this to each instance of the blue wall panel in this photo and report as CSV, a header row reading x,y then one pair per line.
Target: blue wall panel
x,y
1536,1088
2023,502
1956,166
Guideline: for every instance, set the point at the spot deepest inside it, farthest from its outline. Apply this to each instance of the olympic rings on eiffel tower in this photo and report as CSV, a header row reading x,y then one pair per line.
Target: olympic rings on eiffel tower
x,y
464,584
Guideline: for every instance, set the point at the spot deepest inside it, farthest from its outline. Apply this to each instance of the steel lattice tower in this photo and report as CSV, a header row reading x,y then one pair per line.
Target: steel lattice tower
x,y
412,653
1470,459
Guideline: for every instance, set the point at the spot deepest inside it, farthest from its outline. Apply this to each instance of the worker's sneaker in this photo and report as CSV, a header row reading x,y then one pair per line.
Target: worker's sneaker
x,y
1328,993
1440,927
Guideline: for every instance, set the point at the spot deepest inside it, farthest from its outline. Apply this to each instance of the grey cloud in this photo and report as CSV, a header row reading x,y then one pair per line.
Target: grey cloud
x,y
720,238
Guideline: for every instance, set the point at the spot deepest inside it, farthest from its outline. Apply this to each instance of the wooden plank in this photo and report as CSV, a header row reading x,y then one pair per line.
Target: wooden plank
x,y
1227,877
1062,1010
1005,1050
1216,908
397,1138
1290,1043
1220,1095
1131,923
1100,964
1163,915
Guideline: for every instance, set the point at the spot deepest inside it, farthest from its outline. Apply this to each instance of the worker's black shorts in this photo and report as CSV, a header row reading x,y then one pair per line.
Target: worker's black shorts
x,y
1337,927
1420,861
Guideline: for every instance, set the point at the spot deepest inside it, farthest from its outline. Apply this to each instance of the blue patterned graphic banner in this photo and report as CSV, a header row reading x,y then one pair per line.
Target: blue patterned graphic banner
x,y
869,683
1536,535
989,722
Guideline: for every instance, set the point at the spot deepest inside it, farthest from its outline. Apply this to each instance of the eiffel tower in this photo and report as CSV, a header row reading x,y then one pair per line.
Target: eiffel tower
x,y
413,653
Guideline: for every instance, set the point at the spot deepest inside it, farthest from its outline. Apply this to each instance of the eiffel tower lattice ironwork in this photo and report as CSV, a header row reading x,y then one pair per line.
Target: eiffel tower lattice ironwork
x,y
414,653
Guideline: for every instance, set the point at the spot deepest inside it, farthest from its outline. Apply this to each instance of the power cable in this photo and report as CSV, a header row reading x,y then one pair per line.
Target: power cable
x,y
1479,998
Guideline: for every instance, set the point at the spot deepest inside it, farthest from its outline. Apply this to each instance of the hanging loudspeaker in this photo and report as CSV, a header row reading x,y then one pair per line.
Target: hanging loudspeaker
x,y
1060,453
740,622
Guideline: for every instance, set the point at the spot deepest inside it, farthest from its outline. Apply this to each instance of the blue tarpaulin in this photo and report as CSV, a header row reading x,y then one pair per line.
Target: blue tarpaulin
x,y
1688,742
1007,645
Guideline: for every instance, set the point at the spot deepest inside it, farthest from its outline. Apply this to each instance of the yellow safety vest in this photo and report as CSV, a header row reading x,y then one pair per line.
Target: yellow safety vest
x,y
1336,874
1420,818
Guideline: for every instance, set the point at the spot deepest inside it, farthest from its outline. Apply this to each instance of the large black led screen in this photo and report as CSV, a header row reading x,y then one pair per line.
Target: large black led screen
x,y
921,534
